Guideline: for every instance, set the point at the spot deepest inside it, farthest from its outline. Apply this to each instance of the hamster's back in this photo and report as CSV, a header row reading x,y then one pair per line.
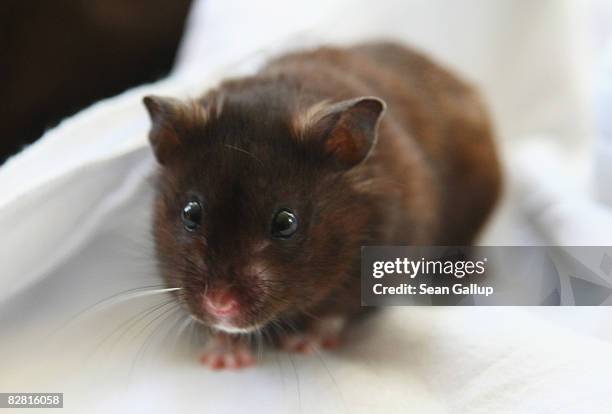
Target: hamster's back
x,y
426,104
457,135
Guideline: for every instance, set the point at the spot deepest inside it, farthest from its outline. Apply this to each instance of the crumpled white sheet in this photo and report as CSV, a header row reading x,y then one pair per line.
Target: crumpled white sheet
x,y
74,211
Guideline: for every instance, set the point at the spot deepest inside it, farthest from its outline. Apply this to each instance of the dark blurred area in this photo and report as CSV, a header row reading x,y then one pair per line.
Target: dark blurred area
x,y
60,56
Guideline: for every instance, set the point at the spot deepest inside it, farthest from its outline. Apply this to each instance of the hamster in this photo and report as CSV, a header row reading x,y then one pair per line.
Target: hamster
x,y
269,185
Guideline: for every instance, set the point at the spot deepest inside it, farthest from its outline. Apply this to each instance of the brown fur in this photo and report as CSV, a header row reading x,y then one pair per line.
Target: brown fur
x,y
432,177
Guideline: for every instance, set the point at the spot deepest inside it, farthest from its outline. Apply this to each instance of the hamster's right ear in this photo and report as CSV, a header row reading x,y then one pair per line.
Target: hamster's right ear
x,y
170,121
345,130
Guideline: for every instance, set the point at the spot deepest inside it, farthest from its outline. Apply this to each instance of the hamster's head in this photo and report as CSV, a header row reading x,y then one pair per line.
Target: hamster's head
x,y
255,216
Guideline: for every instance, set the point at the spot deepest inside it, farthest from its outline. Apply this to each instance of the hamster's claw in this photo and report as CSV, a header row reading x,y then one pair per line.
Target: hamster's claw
x,y
219,354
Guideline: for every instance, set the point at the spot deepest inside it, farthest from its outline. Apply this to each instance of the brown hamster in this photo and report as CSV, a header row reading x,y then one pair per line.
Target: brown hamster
x,y
269,185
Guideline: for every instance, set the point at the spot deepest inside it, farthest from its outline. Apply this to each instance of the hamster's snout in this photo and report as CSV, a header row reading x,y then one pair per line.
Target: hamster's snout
x,y
221,304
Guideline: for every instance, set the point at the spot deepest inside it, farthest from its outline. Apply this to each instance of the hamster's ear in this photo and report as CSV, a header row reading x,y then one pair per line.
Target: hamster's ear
x,y
347,128
170,121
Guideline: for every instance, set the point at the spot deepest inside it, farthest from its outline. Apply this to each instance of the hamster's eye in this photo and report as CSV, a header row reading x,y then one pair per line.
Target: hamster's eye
x,y
284,224
192,215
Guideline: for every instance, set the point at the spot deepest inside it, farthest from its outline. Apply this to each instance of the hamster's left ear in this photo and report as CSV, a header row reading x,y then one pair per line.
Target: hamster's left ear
x,y
346,129
171,120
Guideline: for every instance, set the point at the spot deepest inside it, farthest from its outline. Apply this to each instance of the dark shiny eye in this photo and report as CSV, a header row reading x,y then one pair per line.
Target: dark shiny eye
x,y
192,215
284,224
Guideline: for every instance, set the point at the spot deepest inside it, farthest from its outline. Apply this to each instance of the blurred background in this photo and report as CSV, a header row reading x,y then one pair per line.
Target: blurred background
x,y
75,204
61,56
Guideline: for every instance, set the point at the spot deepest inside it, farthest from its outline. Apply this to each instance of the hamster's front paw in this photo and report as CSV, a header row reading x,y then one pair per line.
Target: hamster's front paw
x,y
223,352
324,334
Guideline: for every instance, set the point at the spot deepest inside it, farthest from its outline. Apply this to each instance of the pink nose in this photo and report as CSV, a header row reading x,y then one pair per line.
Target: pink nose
x,y
221,304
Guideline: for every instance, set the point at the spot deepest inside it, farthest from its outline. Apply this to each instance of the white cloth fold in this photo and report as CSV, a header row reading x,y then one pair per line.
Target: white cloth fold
x,y
74,205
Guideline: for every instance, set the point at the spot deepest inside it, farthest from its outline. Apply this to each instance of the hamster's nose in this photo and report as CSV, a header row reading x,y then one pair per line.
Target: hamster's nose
x,y
221,304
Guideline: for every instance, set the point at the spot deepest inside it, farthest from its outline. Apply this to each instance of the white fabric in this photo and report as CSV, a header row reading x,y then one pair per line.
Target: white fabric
x,y
603,166
74,211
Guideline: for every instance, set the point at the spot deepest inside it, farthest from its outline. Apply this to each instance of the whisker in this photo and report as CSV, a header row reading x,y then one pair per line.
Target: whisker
x,y
274,325
117,298
297,382
192,333
319,354
144,345
144,328
132,322
244,152
127,325
149,340
173,330
182,328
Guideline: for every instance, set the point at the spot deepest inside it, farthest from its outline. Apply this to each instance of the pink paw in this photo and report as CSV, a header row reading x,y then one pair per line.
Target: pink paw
x,y
307,343
325,334
219,354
